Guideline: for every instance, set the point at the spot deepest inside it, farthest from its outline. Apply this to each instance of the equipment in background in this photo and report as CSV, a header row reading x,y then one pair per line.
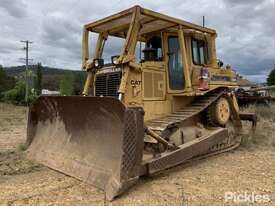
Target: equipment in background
x,y
258,96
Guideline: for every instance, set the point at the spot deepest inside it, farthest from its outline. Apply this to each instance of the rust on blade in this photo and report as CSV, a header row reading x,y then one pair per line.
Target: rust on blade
x,y
87,138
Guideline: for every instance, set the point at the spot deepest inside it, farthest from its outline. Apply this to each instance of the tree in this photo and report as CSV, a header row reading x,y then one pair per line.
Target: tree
x,y
271,78
6,82
66,85
79,82
17,94
38,80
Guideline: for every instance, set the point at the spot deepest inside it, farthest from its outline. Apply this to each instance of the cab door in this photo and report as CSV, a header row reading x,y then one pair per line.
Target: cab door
x,y
175,65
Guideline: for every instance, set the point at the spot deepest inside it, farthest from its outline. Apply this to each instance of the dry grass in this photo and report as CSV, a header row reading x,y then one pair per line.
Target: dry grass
x,y
264,136
11,115
12,126
22,147
202,182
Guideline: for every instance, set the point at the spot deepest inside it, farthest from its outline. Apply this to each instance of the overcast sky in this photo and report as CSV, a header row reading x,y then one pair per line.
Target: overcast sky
x,y
245,29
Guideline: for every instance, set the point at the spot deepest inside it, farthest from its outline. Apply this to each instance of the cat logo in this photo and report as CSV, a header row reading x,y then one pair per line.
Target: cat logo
x,y
135,82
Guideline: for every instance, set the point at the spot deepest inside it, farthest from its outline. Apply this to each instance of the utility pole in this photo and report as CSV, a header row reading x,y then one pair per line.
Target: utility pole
x,y
203,21
26,48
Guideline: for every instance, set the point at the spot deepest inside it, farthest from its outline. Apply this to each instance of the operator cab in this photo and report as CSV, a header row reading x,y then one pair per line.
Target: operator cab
x,y
153,49
175,58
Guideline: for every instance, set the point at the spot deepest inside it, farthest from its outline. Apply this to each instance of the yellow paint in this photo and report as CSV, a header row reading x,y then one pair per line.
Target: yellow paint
x,y
147,84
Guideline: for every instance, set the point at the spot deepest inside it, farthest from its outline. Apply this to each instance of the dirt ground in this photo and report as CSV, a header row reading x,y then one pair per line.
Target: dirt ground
x,y
250,168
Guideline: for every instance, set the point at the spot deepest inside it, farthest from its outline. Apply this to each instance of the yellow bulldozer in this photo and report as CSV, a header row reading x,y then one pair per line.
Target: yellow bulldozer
x,y
139,116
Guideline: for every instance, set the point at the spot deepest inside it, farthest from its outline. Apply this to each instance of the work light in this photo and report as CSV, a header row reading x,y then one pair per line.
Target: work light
x,y
98,63
115,60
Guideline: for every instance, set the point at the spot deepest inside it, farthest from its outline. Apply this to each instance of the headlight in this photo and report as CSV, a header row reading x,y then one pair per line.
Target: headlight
x,y
98,63
115,60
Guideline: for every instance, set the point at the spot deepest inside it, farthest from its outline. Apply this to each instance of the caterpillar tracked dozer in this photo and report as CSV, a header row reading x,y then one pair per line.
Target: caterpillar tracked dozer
x,y
138,117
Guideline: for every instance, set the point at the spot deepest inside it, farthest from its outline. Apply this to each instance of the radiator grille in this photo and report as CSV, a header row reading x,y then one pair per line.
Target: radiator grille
x,y
107,84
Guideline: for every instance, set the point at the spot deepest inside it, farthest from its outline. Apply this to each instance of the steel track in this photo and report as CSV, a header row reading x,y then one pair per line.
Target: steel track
x,y
165,125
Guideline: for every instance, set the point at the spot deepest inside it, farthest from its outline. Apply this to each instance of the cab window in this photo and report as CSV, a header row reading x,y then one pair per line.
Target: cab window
x,y
175,66
199,51
153,49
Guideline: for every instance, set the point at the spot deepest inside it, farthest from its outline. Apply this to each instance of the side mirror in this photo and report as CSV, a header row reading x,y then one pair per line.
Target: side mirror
x,y
220,63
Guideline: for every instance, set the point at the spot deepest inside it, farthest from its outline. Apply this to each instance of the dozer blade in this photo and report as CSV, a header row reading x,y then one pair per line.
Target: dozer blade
x,y
94,139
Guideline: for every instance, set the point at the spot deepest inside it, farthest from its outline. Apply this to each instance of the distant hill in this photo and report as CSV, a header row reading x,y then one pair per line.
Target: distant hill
x,y
50,76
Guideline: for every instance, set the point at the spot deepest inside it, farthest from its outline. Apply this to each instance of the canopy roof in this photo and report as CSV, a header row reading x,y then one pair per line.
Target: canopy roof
x,y
118,24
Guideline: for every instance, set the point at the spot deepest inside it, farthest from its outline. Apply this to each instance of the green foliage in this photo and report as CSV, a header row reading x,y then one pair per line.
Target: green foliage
x,y
38,79
6,82
72,83
22,147
51,82
79,82
17,94
66,85
271,78
51,77
41,77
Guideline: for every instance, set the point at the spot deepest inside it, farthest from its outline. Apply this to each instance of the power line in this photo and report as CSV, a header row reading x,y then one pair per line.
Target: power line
x,y
26,48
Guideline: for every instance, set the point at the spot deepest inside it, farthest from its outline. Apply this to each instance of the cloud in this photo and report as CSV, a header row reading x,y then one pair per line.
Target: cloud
x,y
16,8
7,46
245,29
243,2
